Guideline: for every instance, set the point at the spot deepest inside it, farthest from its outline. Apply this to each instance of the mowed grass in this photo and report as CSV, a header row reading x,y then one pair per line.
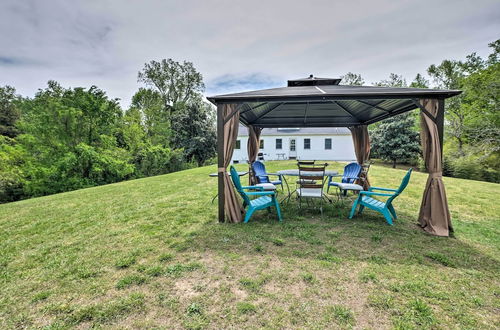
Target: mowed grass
x,y
150,253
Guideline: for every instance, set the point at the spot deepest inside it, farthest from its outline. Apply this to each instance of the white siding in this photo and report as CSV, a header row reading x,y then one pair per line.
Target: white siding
x,y
342,147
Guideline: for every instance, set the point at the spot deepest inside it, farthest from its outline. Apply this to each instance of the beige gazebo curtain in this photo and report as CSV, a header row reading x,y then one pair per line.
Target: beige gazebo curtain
x,y
253,149
434,215
232,205
361,141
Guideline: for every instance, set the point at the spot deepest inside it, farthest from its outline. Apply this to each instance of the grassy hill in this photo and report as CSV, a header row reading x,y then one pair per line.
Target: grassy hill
x,y
150,253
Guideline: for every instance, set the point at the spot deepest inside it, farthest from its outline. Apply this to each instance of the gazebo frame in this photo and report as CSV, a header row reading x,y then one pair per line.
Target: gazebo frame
x,y
322,102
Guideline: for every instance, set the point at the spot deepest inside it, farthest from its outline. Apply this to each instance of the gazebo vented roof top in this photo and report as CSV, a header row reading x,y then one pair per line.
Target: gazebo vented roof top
x,y
322,102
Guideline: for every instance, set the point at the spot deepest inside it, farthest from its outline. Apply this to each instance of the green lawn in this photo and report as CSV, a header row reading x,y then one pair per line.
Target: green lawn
x,y
150,253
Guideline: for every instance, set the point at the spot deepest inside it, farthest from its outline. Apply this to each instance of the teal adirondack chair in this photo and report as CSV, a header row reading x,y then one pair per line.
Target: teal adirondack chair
x,y
365,199
266,200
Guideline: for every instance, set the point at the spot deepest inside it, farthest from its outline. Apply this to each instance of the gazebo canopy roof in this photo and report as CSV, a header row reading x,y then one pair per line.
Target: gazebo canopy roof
x,y
322,102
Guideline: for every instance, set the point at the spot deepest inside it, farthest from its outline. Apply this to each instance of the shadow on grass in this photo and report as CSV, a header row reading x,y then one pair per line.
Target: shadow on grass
x,y
333,236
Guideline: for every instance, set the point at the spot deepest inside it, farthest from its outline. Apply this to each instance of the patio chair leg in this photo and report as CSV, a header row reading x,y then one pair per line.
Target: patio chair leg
x,y
393,212
361,208
248,214
278,210
387,216
353,209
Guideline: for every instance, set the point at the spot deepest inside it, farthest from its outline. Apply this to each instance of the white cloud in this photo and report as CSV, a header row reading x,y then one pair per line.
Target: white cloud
x,y
80,43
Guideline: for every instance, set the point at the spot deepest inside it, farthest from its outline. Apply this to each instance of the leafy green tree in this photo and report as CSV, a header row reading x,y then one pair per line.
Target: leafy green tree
x,y
451,74
153,115
419,82
63,118
9,113
132,135
480,102
12,159
394,80
352,79
70,139
396,140
175,82
194,131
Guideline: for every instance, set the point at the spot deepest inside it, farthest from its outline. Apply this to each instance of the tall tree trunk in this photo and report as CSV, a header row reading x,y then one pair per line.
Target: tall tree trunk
x,y
393,163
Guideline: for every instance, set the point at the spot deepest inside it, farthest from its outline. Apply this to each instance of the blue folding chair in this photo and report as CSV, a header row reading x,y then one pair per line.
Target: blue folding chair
x,y
259,170
351,174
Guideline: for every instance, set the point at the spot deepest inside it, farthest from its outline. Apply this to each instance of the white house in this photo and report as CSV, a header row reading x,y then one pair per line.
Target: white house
x,y
329,143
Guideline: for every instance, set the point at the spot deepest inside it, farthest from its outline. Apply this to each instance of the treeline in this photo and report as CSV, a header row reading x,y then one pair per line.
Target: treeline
x,y
472,119
69,138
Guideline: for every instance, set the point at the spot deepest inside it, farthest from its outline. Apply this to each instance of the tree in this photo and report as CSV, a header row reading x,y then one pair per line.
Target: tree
x,y
154,117
481,103
176,82
450,74
63,118
396,140
394,80
352,79
9,113
419,82
70,139
195,131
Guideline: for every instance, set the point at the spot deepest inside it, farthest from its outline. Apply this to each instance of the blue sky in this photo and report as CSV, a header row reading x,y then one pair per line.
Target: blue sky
x,y
236,45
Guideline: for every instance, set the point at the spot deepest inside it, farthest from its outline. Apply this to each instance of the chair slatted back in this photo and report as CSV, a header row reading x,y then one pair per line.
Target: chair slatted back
x,y
305,162
259,170
351,170
402,186
307,174
237,184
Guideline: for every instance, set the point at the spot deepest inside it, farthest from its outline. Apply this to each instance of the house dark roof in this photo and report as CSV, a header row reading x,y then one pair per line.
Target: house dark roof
x,y
242,131
317,104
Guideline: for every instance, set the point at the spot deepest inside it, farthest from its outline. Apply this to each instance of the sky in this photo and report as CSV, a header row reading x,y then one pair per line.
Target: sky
x,y
236,45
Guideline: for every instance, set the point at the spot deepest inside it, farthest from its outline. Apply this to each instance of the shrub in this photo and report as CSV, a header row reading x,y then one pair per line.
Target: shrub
x,y
11,176
474,168
156,160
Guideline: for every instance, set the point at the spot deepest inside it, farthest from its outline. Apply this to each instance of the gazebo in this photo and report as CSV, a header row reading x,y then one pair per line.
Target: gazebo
x,y
322,102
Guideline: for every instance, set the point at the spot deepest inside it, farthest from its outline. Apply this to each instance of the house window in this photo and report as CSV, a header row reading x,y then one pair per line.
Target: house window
x,y
261,144
238,144
279,144
307,143
328,144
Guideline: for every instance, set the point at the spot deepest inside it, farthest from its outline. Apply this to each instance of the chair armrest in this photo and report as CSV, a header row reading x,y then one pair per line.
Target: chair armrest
x,y
252,188
371,193
260,193
383,189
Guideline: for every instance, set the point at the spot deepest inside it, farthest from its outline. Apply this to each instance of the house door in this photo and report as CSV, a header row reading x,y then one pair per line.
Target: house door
x,y
293,149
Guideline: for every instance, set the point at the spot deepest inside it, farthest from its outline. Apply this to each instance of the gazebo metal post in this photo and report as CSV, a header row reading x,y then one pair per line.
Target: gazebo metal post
x,y
220,160
440,124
